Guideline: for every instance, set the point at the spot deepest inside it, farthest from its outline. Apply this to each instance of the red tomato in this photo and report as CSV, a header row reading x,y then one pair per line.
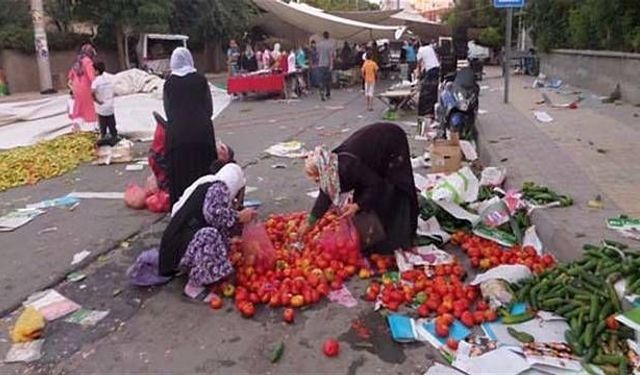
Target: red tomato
x,y
482,305
490,316
423,311
288,315
452,343
467,319
478,317
331,348
442,330
216,302
612,323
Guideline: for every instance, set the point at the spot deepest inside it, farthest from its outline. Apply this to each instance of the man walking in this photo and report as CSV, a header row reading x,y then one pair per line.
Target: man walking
x,y
326,55
429,70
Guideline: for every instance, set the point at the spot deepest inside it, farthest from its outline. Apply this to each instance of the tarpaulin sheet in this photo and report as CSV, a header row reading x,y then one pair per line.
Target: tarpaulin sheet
x,y
316,21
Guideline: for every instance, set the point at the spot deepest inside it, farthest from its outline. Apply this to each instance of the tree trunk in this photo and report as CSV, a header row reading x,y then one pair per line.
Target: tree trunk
x,y
208,56
120,45
218,64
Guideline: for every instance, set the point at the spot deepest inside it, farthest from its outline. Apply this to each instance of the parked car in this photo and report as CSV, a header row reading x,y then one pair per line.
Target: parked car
x,y
152,52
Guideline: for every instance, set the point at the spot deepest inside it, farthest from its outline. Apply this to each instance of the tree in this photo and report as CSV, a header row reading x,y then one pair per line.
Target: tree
x,y
343,5
123,17
210,22
62,12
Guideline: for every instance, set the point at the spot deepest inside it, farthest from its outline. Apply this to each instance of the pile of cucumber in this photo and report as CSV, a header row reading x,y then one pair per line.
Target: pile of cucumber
x,y
541,195
583,292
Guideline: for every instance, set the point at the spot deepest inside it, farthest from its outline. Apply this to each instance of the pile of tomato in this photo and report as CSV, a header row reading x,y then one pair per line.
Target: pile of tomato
x,y
485,254
303,272
437,292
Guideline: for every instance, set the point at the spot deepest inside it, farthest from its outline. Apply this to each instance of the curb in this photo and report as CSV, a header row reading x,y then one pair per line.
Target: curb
x,y
565,245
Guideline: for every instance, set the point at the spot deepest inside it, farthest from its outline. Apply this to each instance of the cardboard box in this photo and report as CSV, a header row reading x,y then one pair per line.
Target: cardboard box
x,y
445,157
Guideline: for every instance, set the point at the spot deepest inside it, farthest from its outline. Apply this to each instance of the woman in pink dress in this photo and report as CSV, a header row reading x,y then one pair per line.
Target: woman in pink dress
x,y
80,77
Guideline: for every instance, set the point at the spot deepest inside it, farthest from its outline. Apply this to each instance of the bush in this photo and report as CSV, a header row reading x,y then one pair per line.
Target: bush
x,y
491,37
21,39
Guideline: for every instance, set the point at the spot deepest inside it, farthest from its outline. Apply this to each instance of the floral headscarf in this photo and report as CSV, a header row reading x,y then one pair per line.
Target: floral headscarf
x,y
327,164
86,50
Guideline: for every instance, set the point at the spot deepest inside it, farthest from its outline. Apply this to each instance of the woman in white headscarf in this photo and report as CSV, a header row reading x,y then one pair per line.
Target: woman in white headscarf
x,y
198,237
190,136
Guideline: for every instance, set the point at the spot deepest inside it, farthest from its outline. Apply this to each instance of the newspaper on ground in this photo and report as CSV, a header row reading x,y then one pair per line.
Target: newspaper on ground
x,y
51,304
543,331
343,297
86,318
80,256
15,219
498,361
431,228
291,149
25,352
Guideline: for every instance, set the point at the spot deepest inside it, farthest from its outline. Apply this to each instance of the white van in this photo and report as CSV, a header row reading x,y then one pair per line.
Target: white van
x,y
152,52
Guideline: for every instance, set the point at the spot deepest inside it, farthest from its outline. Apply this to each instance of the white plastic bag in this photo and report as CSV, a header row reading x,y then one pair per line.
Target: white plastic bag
x,y
462,186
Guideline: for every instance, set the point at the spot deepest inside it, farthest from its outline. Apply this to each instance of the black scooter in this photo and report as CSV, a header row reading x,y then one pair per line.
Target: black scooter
x,y
458,103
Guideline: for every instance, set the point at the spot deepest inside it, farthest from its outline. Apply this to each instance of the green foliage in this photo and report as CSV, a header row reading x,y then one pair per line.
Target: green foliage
x,y
585,24
206,20
130,15
491,37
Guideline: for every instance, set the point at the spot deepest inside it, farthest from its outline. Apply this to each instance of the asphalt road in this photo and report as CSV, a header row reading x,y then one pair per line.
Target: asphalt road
x,y
156,329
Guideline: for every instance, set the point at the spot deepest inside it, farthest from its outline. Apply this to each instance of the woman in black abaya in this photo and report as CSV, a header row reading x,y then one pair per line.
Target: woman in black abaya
x,y
190,137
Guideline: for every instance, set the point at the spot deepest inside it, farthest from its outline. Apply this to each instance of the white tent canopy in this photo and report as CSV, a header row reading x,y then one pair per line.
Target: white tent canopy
x,y
316,21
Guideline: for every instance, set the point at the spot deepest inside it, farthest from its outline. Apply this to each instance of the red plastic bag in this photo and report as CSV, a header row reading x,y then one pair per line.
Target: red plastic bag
x,y
341,243
158,202
134,196
257,249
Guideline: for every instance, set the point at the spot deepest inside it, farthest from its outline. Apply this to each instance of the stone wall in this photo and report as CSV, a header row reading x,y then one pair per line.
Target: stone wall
x,y
597,71
22,70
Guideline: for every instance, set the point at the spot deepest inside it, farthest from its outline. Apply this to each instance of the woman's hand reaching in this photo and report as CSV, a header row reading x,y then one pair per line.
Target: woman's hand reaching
x,y
246,215
349,210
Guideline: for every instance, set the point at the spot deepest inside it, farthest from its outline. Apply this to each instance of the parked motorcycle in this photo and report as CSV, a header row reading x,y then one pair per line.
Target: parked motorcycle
x,y
458,103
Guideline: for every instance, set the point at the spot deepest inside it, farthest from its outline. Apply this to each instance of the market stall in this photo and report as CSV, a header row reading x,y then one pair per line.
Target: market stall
x,y
267,82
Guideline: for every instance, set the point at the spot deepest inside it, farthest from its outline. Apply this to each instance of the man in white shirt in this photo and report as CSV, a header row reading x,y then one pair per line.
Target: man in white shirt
x,y
102,90
429,71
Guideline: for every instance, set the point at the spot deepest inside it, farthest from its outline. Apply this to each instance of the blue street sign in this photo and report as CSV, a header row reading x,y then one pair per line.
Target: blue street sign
x,y
508,3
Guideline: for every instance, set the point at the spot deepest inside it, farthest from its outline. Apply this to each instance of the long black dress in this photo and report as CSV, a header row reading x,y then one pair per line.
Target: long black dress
x,y
375,163
190,137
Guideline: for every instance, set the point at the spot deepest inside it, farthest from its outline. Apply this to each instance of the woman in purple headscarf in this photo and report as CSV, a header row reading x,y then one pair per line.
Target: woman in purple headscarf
x,y
80,77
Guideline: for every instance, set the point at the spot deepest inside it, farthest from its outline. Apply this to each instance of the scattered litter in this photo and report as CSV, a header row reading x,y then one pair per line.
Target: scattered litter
x,y
345,130
497,292
484,87
343,297
551,354
252,203
134,167
97,195
440,369
458,212
482,112
411,124
421,182
360,116
542,116
493,176
468,150
421,138
15,219
28,327
601,151
51,304
314,194
531,239
25,352
421,161
292,149
80,256
116,292
431,228
596,202
422,256
122,152
48,230
509,272
250,189
86,318
626,226
276,352
279,166
333,107
74,277
498,361
272,121
319,127
57,202
462,186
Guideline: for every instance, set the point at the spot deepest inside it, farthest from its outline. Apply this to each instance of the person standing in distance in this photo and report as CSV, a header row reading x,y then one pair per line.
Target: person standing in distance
x,y
326,56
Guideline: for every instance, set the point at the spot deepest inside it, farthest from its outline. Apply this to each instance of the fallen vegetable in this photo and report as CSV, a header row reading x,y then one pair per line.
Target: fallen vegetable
x,y
582,292
523,337
518,318
276,353
541,195
331,348
28,165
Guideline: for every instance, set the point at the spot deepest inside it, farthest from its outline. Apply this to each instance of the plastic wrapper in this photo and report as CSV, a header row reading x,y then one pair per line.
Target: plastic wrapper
x,y
257,249
134,196
497,292
342,243
28,327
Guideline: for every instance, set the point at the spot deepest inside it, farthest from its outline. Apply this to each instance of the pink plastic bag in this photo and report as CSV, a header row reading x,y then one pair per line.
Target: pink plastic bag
x,y
151,185
257,249
158,202
342,243
134,196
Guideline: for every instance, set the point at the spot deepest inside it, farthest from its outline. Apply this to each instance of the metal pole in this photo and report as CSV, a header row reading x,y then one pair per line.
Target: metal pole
x,y
398,5
42,49
507,54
